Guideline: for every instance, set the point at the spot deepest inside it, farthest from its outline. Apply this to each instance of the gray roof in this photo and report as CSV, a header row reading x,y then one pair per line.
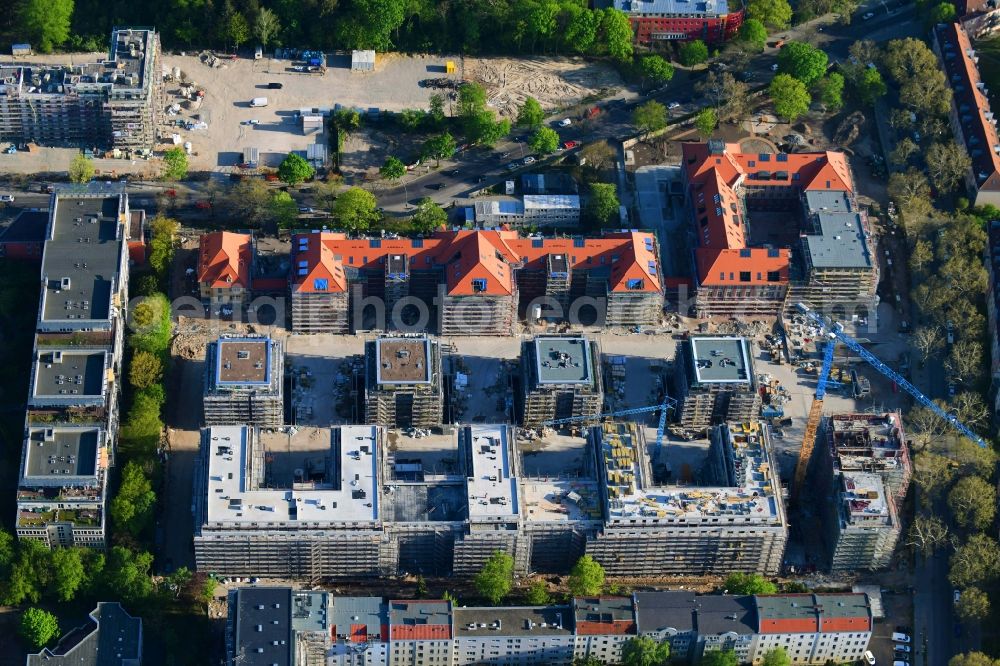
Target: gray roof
x,y
723,613
552,182
69,376
111,637
82,257
659,611
60,454
563,360
347,612
672,7
840,244
720,359
492,622
28,227
263,616
309,611
829,201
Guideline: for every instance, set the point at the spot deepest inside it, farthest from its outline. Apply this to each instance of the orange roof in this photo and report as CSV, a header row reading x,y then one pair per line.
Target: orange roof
x,y
224,259
477,255
730,268
615,627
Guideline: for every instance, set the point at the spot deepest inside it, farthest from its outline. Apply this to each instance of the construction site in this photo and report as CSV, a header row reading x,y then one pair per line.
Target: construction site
x,y
714,382
244,382
403,382
560,378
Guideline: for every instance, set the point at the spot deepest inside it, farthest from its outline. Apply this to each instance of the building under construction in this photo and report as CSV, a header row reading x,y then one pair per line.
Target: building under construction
x,y
403,383
863,523
561,378
113,103
244,382
714,382
874,443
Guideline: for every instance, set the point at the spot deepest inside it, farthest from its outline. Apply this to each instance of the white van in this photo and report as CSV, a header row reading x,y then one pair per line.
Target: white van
x,y
900,638
258,102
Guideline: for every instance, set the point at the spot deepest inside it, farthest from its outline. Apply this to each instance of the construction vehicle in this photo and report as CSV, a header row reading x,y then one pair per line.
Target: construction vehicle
x,y
834,331
663,408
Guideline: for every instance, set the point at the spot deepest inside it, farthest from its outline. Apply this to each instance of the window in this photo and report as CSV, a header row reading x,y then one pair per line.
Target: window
x,y
744,276
321,284
773,252
745,252
478,285
375,243
774,276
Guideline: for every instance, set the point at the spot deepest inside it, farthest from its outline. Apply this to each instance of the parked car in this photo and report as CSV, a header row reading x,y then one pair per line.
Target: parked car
x,y
512,166
570,145
674,105
565,122
869,658
901,648
899,637
868,15
7,198
305,209
274,85
529,159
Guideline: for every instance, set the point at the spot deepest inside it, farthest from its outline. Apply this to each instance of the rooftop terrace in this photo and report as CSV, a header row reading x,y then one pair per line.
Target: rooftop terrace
x,y
403,360
61,455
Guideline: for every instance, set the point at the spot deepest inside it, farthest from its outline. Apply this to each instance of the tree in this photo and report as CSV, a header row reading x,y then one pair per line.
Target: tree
x,y
236,29
127,573
429,216
545,140
774,13
830,91
705,122
928,340
294,169
45,22
421,590
178,580
693,53
531,113
971,409
356,209
947,164
435,110
81,169
974,604
175,164
754,34
909,187
644,651
38,627
266,26
802,61
7,552
538,594
600,153
744,583
471,99
650,117
132,507
161,246
439,146
68,574
145,370
975,562
393,169
776,657
943,12
369,24
869,86
616,31
283,210
718,658
927,533
973,659
484,129
496,578
972,502
586,578
587,661
904,151
602,205
249,201
922,84
730,97
965,361
656,69
791,99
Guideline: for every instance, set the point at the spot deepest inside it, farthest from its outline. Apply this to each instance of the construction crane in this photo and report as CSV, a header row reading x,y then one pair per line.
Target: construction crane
x,y
663,407
834,333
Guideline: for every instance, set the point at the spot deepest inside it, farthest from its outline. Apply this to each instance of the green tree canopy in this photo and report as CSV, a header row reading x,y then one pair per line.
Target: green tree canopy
x,y
266,26
744,583
145,370
429,216
370,24
81,169
175,164
791,99
753,33
45,22
776,657
975,562
356,209
616,33
973,503
440,146
974,604
718,658
802,61
496,578
538,594
705,122
644,651
132,507
650,116
393,169
602,204
38,627
947,164
545,140
693,53
973,659
530,113
68,574
283,210
150,324
294,169
586,578
656,69
127,574
830,90
776,14
943,12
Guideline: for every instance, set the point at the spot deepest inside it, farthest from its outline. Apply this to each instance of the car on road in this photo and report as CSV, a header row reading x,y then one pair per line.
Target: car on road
x,y
512,166
956,595
674,105
900,637
454,172
7,198
951,394
529,160
306,209
868,15
774,67
869,658
565,122
274,85
570,145
950,328
436,186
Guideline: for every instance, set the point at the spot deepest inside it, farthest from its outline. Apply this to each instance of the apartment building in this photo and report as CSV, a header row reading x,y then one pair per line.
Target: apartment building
x,y
813,628
513,635
736,521
110,636
277,625
972,121
874,443
404,387
695,625
225,265
536,210
560,378
244,381
72,405
714,382
472,282
978,17
359,631
114,103
738,200
713,22
603,626
420,632
863,527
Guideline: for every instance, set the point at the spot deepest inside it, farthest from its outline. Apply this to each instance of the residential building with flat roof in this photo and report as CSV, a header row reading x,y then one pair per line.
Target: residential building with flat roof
x,y
603,625
277,625
735,521
560,378
225,268
538,210
110,637
528,634
714,382
113,103
712,21
863,527
403,382
244,381
359,627
420,632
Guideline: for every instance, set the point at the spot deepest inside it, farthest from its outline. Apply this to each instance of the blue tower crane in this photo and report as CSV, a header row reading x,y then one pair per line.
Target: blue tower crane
x,y
663,408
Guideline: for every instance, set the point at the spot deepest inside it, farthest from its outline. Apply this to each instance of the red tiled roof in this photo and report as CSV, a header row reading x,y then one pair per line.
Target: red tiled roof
x,y
224,259
981,139
718,268
615,627
421,632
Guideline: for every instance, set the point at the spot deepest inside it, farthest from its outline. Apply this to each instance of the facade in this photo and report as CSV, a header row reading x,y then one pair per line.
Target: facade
x,y
111,637
972,121
113,104
560,378
734,197
813,628
714,382
244,382
71,422
24,237
403,382
538,210
734,522
225,264
513,635
695,625
420,632
864,527
277,625
471,282
713,22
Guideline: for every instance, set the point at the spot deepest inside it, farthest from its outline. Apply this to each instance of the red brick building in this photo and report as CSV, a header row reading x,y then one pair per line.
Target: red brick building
x,y
712,21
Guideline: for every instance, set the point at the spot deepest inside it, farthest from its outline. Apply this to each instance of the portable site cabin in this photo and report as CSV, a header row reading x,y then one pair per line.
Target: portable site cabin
x,y
362,61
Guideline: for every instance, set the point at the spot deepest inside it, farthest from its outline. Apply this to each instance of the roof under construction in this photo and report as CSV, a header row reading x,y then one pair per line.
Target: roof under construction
x,y
721,359
403,360
565,360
